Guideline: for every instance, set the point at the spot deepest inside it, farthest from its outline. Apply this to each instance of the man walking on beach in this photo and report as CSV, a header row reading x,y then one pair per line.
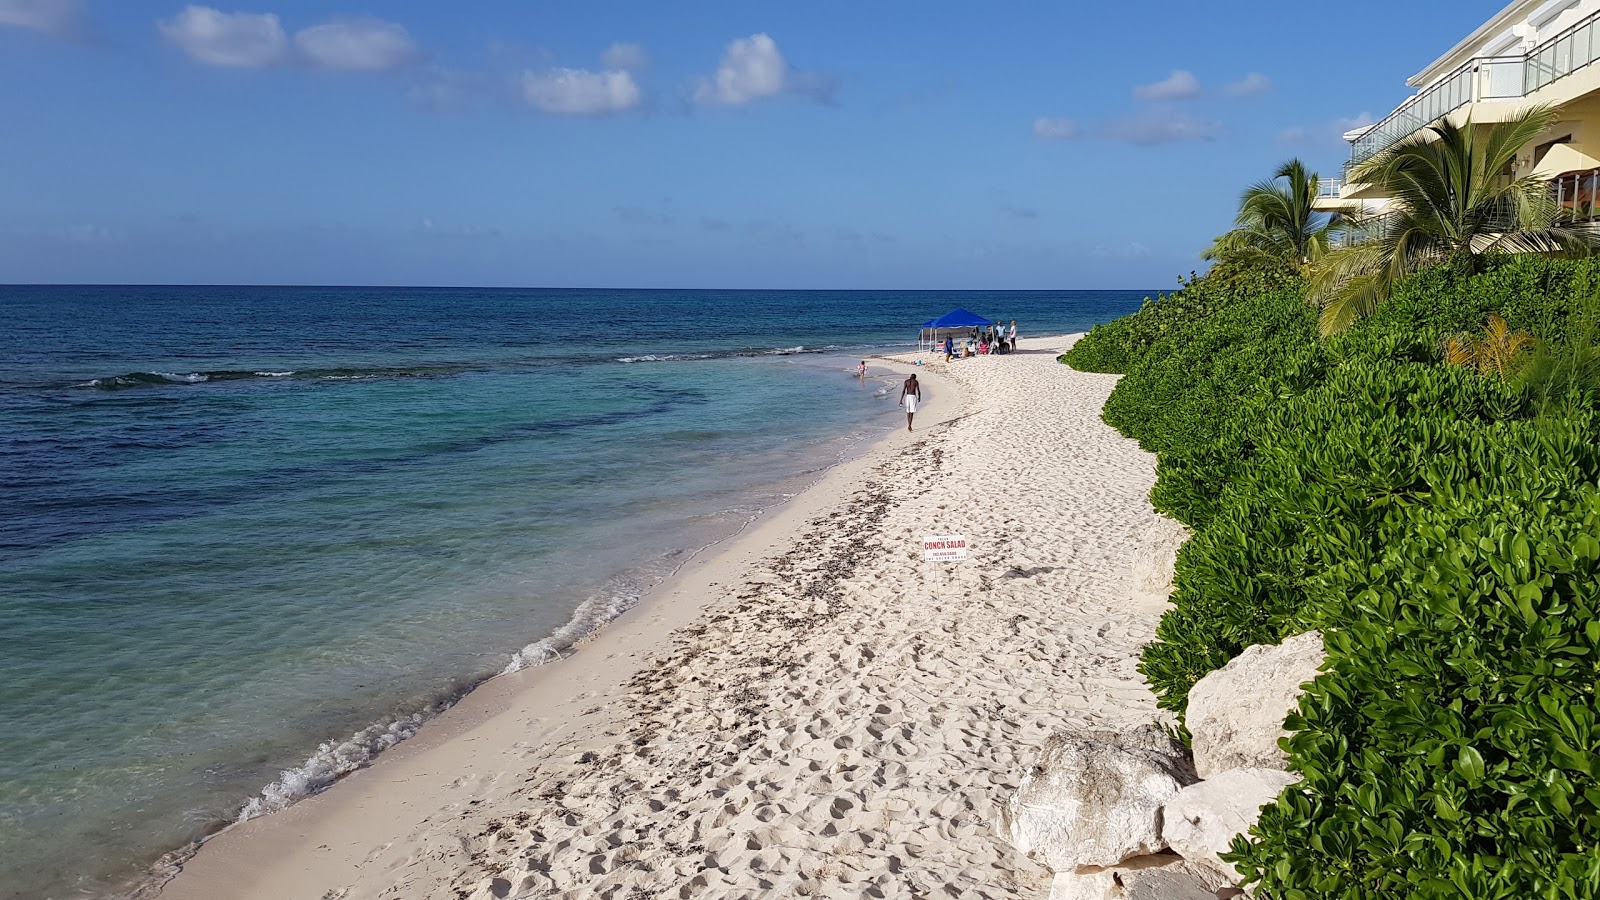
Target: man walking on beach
x,y
910,396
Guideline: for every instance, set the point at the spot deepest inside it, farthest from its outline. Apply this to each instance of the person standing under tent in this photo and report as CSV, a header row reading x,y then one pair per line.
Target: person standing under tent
x,y
910,396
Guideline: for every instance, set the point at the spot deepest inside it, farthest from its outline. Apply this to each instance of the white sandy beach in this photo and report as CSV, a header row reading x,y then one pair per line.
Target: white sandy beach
x,y
812,711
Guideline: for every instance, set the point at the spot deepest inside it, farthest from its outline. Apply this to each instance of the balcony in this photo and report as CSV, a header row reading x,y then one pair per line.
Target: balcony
x,y
1329,188
1576,195
1486,78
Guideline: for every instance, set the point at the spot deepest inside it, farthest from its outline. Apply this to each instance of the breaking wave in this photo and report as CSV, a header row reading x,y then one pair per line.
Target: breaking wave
x,y
155,379
724,354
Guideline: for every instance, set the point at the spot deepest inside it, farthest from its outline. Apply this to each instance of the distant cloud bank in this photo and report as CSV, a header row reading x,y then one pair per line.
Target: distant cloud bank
x,y
1146,128
580,92
258,40
56,18
1249,86
1180,85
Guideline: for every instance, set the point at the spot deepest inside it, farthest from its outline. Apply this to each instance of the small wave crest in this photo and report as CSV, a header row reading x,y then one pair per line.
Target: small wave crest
x,y
158,379
723,354
590,616
331,761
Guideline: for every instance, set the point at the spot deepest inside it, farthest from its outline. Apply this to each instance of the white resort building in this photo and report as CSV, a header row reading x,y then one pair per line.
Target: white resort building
x,y
1533,52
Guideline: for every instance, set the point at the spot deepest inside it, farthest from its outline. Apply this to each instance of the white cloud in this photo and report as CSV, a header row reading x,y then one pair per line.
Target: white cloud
x,y
1156,126
357,45
1351,123
753,69
1162,127
1180,85
58,18
580,92
445,90
1048,128
628,57
1324,136
238,40
1248,86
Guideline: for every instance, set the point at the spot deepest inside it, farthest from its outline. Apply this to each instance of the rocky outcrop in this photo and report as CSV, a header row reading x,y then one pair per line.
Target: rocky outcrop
x,y
1203,819
1235,715
1095,798
1155,556
1159,877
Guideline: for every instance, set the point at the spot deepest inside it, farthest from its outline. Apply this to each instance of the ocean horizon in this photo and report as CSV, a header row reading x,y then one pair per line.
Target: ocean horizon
x,y
257,534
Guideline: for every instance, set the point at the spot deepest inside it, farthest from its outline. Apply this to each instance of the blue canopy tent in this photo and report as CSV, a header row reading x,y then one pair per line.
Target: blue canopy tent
x,y
953,321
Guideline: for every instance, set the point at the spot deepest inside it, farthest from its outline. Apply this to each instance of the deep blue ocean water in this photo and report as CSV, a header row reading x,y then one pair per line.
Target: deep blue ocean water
x,y
250,536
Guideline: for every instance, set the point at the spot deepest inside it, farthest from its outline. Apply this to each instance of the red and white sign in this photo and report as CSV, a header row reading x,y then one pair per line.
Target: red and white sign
x,y
944,547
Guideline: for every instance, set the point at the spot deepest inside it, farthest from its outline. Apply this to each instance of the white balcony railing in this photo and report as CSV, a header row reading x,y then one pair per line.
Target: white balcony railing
x,y
1485,78
1329,188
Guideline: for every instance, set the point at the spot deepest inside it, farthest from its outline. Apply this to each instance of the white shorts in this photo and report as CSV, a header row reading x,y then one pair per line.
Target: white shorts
x,y
911,403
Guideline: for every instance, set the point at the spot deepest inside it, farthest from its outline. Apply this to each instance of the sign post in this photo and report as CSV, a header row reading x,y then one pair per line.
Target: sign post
x,y
938,548
944,547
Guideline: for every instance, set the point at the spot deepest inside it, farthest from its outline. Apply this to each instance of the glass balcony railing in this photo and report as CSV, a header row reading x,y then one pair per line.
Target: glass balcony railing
x,y
1438,101
1486,78
1563,54
1329,188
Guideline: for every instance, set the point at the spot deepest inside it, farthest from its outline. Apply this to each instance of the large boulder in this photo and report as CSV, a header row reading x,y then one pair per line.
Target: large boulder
x,y
1161,877
1154,557
1095,798
1235,714
1202,820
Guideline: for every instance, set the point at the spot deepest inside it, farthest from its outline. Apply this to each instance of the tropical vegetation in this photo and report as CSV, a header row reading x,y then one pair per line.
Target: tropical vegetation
x,y
1454,202
1436,515
1277,220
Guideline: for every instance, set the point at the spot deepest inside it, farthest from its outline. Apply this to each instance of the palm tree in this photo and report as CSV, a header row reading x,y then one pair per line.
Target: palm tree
x,y
1452,201
1276,220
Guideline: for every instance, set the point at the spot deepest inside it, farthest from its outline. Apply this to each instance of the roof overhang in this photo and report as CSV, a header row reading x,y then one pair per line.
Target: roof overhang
x,y
1514,12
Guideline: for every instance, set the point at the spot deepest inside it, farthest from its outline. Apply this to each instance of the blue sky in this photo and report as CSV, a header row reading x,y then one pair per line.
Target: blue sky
x,y
817,145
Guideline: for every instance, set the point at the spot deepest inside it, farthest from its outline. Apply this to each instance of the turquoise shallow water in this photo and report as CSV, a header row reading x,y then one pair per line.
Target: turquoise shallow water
x,y
251,536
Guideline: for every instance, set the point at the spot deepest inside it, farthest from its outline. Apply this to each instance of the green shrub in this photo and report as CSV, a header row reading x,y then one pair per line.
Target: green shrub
x,y
1115,347
1186,385
1303,486
1450,748
1443,530
1535,294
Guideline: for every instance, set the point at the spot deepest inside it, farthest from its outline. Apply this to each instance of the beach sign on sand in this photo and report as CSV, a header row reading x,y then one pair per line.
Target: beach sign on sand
x,y
944,547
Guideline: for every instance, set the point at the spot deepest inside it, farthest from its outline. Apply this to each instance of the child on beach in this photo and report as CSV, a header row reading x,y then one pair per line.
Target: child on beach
x,y
861,370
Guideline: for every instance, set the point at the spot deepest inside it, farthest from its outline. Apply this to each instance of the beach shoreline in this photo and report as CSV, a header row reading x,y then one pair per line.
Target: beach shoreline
x,y
396,821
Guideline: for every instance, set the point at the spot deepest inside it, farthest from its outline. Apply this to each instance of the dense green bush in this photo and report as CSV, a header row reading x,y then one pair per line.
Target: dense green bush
x,y
1181,391
1117,346
1310,485
1450,748
1443,529
1535,294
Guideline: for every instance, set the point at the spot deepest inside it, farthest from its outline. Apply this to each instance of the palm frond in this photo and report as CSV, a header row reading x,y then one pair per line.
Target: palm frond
x,y
1453,201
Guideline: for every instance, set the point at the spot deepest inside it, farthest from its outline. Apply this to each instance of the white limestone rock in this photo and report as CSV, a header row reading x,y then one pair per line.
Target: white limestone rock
x,y
1235,714
1155,556
1202,820
1092,885
1095,798
1160,877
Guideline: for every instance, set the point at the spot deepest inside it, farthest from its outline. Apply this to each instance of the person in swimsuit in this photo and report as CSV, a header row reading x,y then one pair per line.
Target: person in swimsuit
x,y
910,396
861,370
